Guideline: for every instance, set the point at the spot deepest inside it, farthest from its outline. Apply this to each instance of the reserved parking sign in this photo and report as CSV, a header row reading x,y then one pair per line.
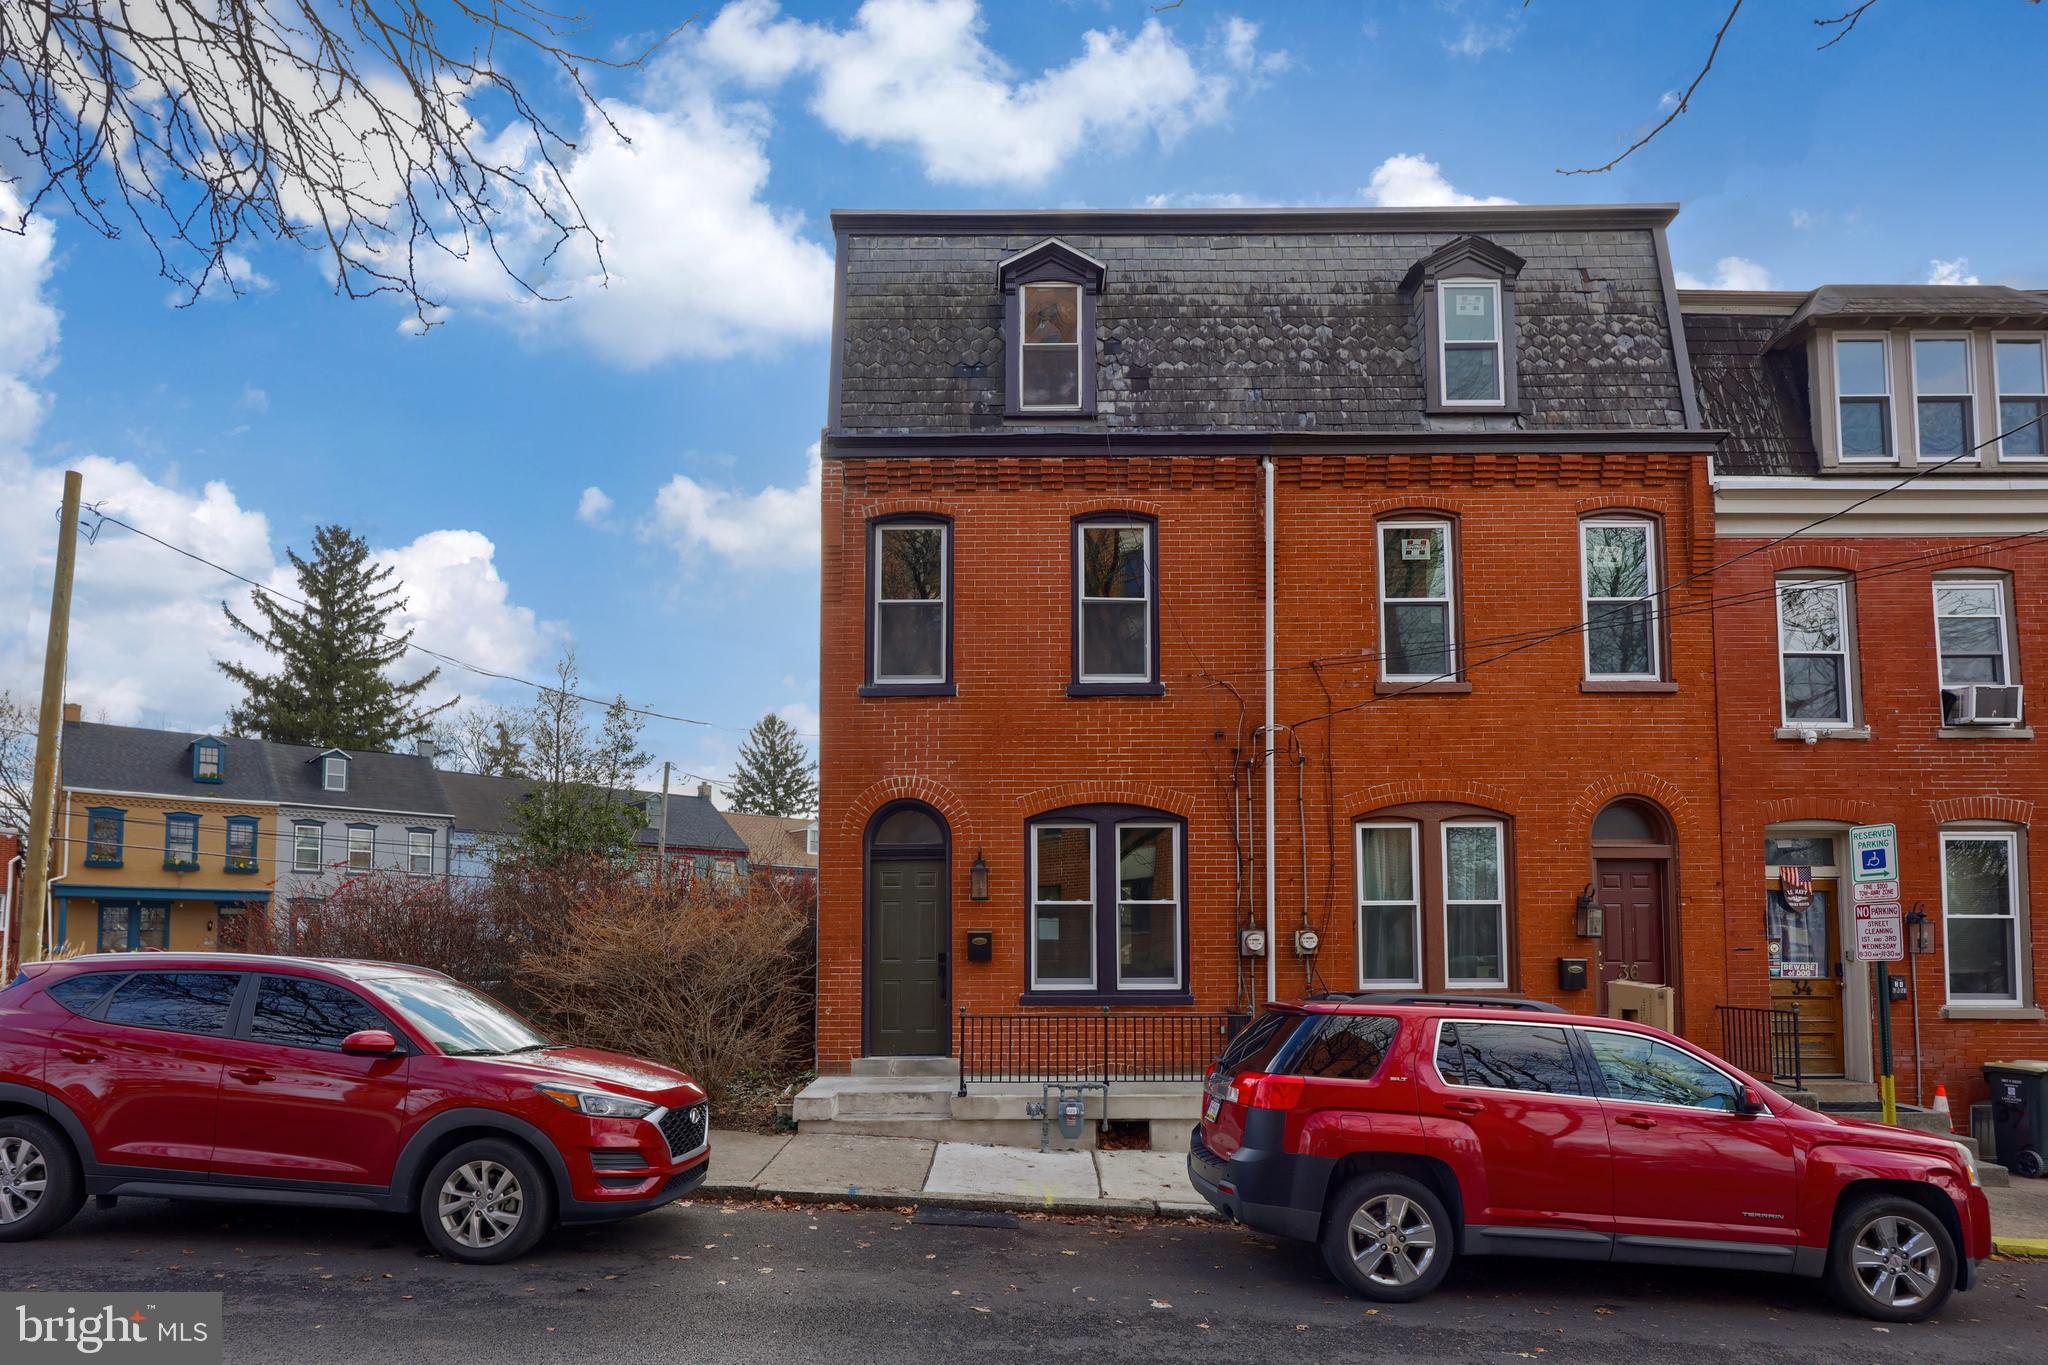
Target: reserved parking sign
x,y
1874,853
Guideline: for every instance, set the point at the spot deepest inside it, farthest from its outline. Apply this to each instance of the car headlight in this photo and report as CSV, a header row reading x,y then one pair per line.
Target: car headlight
x,y
598,1104
1969,1163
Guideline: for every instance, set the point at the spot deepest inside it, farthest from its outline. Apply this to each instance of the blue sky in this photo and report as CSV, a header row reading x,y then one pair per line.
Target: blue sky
x,y
689,389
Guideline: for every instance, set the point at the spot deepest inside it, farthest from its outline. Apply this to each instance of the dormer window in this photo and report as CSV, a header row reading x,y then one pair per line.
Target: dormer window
x,y
1941,396
2022,397
1863,390
1049,295
209,761
334,773
1464,293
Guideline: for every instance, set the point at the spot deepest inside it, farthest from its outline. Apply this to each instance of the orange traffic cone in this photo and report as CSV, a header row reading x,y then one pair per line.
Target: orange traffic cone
x,y
1941,1104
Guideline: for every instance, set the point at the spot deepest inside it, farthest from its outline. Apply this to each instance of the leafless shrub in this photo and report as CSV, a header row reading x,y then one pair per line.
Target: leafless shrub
x,y
442,925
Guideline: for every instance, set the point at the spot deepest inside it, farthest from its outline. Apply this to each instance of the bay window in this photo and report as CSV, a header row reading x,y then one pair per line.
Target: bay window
x,y
1108,904
1980,901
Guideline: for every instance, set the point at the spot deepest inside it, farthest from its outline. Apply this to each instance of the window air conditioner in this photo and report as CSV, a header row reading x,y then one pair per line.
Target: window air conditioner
x,y
1982,704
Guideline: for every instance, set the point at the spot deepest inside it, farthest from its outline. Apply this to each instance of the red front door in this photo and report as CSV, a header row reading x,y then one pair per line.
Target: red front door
x,y
1631,893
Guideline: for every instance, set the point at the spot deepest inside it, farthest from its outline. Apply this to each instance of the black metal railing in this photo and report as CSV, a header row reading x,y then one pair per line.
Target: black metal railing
x,y
1763,1042
1104,1045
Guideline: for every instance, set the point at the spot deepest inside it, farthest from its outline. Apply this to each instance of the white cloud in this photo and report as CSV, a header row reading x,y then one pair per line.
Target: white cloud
x,y
774,528
1956,271
917,74
1204,200
28,321
594,506
1478,37
1801,218
1731,272
457,603
255,399
802,717
1412,180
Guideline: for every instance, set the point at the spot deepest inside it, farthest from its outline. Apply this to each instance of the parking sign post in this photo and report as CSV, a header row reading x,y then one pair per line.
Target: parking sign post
x,y
1880,936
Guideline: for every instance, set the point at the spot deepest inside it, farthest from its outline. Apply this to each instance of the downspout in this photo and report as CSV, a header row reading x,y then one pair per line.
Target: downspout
x,y
49,907
1266,737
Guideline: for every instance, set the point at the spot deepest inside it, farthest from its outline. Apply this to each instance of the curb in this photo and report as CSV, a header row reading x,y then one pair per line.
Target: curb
x,y
2020,1246
1087,1208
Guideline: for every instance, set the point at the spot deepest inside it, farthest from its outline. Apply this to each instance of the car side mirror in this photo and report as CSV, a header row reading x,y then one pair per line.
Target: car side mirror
x,y
369,1042
1749,1102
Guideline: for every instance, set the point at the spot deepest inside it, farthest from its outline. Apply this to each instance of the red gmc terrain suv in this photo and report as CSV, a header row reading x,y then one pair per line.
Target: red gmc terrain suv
x,y
351,1084
1399,1135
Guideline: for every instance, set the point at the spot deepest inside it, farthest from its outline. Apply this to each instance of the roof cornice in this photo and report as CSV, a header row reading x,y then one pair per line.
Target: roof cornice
x,y
1481,218
1117,444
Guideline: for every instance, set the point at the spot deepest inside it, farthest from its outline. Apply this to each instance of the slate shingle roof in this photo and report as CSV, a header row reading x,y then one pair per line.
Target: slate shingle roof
x,y
376,781
128,758
483,805
1204,327
693,823
1758,396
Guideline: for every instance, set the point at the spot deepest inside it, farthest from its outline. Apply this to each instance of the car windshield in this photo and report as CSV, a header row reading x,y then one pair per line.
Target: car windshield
x,y
460,1021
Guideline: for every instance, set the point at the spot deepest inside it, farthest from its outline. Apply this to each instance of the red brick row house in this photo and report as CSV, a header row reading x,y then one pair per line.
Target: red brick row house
x,y
1092,478
1873,667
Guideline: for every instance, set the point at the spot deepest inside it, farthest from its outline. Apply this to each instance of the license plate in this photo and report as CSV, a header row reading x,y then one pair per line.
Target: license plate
x,y
1215,1107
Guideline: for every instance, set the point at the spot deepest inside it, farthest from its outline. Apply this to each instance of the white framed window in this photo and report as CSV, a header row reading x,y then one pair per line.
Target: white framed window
x,y
1475,904
1815,682
1148,903
1418,614
1049,356
910,609
306,848
362,843
1980,902
419,852
1062,906
1115,590
811,839
1863,402
1618,575
334,773
1942,397
1469,342
1389,904
2022,396
1970,631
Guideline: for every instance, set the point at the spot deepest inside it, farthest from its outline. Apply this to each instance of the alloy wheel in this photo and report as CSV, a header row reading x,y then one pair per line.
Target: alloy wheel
x,y
1897,1261
1392,1240
24,1174
481,1204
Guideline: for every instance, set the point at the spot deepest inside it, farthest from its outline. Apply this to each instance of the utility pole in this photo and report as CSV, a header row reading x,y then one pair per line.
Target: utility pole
x,y
661,835
35,890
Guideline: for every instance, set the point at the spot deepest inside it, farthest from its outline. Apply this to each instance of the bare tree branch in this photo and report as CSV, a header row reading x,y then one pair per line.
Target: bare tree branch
x,y
1848,20
354,128
1677,109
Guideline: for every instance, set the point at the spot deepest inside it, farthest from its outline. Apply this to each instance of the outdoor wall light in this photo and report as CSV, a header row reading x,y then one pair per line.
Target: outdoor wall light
x,y
978,878
1591,919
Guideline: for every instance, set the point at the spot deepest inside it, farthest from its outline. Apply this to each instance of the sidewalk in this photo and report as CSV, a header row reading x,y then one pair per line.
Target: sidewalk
x,y
885,1170
959,1174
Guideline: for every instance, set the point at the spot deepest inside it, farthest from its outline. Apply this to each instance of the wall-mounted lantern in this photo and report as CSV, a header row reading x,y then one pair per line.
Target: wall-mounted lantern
x,y
1590,918
978,878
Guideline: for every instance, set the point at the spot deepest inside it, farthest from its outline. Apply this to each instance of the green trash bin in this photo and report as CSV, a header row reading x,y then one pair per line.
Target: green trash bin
x,y
2019,1114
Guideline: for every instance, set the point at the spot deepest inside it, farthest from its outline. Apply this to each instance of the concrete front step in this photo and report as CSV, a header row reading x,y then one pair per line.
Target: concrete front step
x,y
908,1066
878,1102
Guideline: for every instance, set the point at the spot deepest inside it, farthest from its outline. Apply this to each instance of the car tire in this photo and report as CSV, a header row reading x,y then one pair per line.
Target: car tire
x,y
1388,1238
41,1185
1891,1259
486,1202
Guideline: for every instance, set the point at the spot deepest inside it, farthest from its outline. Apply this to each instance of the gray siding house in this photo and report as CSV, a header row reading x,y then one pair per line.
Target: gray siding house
x,y
344,814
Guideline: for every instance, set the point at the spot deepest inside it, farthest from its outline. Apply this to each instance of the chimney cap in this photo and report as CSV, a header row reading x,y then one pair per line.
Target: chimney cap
x,y
73,713
425,748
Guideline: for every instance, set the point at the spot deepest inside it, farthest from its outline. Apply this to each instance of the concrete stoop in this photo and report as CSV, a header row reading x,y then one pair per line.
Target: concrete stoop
x,y
919,1098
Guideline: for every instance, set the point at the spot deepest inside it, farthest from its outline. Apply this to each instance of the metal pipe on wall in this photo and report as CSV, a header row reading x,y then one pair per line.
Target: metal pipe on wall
x,y
1266,752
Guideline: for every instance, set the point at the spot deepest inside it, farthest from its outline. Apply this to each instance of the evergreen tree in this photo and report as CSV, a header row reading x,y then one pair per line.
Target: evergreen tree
x,y
582,803
775,775
502,755
331,689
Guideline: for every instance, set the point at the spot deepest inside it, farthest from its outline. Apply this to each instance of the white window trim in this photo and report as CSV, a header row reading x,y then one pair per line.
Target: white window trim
x,y
1081,530
299,863
1847,651
941,601
1891,402
1037,983
213,753
1499,903
413,852
1449,599
1080,321
811,839
1414,902
1998,395
1444,344
369,850
1175,904
1650,548
1968,394
1999,588
334,773
2021,959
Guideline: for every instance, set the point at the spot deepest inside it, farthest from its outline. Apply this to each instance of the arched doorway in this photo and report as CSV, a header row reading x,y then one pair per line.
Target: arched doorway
x,y
908,923
1633,878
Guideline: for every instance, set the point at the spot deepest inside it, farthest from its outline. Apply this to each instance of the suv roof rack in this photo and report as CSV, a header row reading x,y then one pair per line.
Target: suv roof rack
x,y
1477,1002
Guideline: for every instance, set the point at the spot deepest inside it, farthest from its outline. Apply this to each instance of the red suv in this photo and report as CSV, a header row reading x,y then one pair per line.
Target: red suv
x,y
349,1084
1399,1135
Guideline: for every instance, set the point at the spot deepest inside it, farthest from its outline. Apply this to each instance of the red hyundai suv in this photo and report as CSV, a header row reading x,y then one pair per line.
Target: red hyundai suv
x,y
351,1084
1401,1134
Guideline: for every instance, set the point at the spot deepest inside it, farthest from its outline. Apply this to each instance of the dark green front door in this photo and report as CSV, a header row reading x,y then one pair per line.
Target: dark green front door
x,y
907,958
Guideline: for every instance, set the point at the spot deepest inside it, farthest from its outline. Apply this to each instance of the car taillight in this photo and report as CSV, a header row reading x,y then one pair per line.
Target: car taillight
x,y
1256,1090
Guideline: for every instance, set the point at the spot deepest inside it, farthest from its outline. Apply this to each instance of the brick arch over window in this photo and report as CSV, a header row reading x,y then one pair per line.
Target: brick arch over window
x,y
1688,821
1425,791
2004,810
1147,794
1802,809
1115,506
1791,558
907,507
1632,504
854,822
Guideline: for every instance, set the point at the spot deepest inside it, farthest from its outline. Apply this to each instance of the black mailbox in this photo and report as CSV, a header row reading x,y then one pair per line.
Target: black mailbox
x,y
1571,973
981,945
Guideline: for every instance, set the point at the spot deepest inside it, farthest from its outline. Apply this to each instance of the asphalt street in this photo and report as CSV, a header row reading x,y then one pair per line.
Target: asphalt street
x,y
738,1282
